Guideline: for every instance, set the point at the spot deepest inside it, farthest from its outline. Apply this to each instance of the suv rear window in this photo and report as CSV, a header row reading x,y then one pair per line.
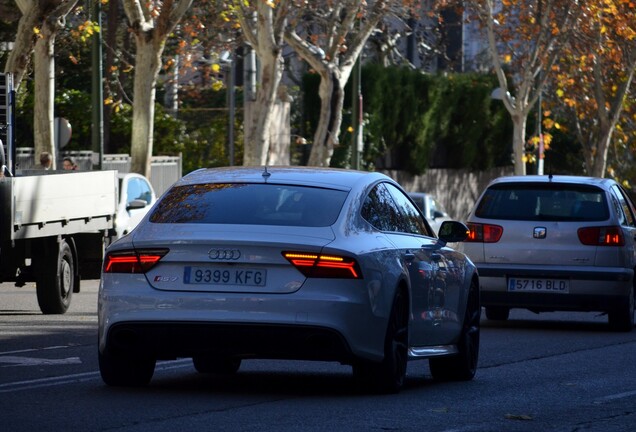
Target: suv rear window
x,y
543,202
245,203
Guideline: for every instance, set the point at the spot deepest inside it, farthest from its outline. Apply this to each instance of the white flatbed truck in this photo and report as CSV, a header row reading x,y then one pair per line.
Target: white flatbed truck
x,y
53,230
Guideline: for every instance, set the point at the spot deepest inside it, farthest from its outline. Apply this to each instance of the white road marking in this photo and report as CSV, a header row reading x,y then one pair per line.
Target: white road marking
x,y
33,361
37,349
80,377
615,396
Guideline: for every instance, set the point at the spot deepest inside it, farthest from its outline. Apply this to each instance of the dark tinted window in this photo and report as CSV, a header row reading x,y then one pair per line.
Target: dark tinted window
x,y
258,204
412,220
388,209
380,210
623,206
544,201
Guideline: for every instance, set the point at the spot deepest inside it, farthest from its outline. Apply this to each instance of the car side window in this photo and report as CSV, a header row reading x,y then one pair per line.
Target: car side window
x,y
380,210
413,222
138,189
623,207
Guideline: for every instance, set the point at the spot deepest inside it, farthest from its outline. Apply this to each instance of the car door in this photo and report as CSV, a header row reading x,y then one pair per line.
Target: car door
x,y
432,290
136,189
627,218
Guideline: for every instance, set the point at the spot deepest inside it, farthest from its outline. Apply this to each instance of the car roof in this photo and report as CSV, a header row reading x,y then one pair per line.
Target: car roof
x,y
597,181
336,178
123,175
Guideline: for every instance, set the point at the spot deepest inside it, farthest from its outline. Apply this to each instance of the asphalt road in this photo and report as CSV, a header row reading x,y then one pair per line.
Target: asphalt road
x,y
549,372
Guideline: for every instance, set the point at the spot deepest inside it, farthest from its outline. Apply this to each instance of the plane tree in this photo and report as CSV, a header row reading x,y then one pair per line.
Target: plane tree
x,y
151,22
330,37
525,41
594,77
38,27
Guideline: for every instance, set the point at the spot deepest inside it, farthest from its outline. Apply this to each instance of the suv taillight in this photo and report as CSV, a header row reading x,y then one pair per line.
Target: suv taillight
x,y
601,236
483,233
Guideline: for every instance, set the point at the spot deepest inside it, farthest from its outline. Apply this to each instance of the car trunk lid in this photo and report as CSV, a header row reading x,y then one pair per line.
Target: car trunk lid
x,y
229,258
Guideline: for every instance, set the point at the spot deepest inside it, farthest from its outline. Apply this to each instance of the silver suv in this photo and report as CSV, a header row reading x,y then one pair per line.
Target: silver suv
x,y
548,243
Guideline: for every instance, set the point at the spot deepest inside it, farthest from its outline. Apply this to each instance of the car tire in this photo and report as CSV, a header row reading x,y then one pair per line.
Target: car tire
x,y
622,318
462,366
126,370
216,365
55,280
388,376
497,313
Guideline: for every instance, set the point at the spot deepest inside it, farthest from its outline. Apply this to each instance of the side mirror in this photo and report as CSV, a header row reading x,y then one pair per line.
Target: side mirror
x,y
136,204
453,231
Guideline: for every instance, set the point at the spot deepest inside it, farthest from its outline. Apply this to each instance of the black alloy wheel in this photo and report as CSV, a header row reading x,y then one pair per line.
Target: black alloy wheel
x,y
124,370
388,376
463,365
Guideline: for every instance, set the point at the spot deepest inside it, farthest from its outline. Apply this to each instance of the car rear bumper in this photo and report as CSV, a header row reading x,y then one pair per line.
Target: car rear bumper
x,y
597,289
330,323
167,340
542,302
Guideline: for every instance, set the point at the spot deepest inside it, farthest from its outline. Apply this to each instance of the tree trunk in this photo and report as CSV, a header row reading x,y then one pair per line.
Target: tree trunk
x,y
257,133
147,65
44,98
602,148
519,142
331,93
20,55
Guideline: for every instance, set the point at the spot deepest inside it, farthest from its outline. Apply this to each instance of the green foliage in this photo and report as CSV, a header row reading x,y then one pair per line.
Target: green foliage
x,y
199,134
415,121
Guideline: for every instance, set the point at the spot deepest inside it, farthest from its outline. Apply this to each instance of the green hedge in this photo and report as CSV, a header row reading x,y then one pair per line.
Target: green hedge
x,y
415,121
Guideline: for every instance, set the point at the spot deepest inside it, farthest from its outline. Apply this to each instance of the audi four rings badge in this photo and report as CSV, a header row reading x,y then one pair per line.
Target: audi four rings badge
x,y
224,254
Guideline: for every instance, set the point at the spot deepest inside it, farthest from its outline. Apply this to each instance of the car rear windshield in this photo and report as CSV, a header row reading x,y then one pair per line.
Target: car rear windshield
x,y
543,202
246,203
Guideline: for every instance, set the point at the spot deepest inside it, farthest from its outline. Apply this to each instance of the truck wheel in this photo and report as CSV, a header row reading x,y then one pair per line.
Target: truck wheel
x,y
55,279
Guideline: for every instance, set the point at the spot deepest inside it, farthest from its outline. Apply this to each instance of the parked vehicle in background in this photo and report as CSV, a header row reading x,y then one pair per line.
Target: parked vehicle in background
x,y
136,197
53,231
288,263
433,211
547,243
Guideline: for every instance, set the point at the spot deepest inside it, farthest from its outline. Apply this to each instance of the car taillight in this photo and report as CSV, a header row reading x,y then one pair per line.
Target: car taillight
x,y
132,261
601,236
483,233
324,266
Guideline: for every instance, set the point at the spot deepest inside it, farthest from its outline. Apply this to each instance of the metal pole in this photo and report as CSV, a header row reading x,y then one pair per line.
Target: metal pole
x,y
356,116
97,96
231,110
